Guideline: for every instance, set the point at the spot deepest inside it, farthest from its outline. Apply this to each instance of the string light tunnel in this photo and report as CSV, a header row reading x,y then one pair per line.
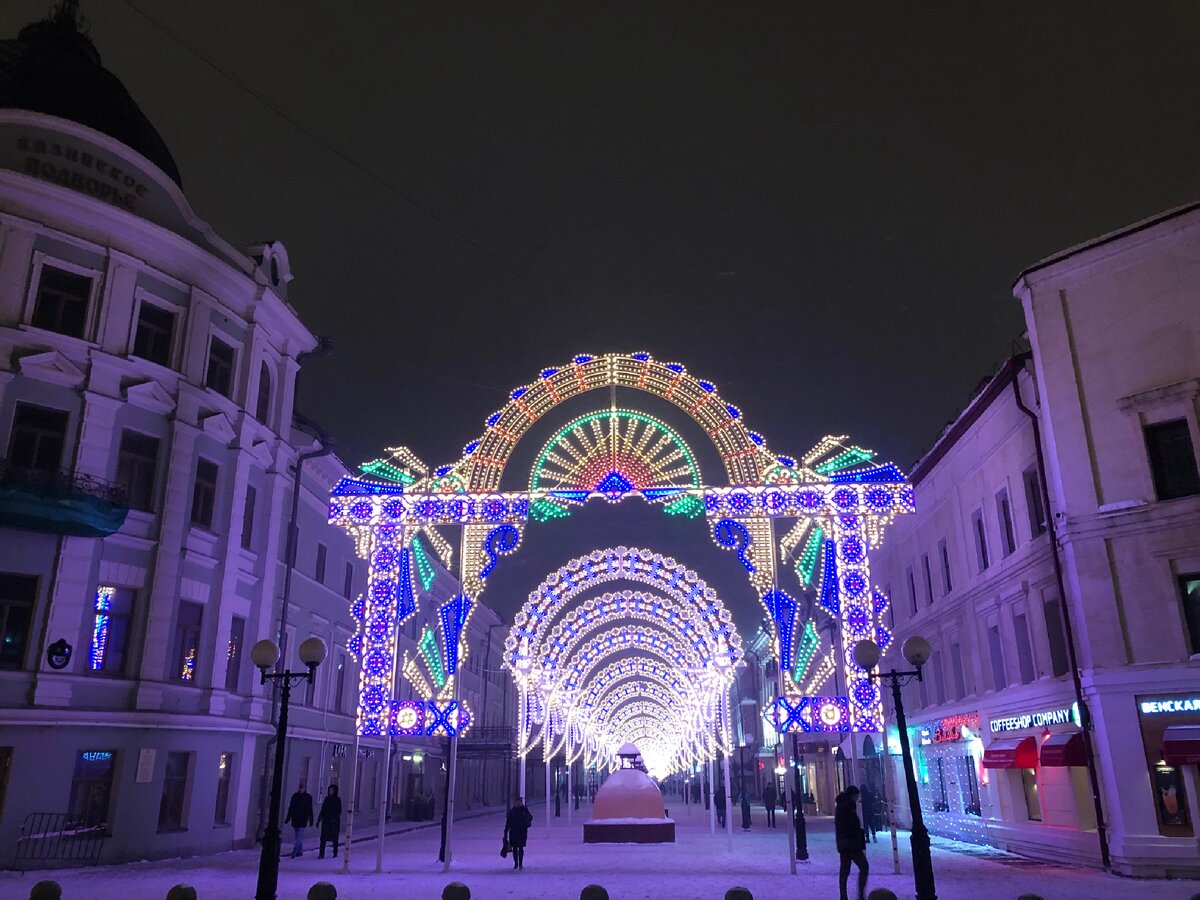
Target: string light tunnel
x,y
837,501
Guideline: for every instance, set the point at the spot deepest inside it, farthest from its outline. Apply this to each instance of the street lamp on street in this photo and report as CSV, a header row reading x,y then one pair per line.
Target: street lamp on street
x,y
916,651
265,655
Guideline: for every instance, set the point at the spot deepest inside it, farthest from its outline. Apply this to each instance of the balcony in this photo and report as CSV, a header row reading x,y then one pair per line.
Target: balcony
x,y
60,502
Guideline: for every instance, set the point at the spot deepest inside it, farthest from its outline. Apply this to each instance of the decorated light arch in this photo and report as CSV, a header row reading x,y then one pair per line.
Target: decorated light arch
x,y
837,499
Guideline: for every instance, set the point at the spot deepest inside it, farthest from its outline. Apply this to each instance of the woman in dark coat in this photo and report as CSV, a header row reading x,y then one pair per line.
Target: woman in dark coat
x,y
851,842
516,831
329,820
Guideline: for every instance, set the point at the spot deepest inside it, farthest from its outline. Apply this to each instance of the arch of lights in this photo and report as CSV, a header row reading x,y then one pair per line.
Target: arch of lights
x,y
836,501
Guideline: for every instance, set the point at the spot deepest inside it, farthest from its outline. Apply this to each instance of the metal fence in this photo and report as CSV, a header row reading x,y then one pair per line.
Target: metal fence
x,y
51,840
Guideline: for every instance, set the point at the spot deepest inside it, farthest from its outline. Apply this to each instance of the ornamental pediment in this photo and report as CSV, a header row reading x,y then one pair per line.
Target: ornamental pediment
x,y
50,366
218,427
149,395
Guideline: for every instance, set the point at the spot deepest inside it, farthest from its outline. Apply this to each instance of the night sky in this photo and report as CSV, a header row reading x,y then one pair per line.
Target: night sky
x,y
821,210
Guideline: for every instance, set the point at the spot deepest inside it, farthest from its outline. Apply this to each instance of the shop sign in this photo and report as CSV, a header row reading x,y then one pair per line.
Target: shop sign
x,y
951,727
1040,719
1176,705
339,751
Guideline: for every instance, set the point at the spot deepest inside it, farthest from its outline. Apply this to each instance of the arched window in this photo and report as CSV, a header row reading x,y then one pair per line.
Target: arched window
x,y
263,409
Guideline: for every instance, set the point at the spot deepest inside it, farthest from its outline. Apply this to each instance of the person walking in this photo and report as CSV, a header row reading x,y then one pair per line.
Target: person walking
x,y
300,816
770,798
516,830
329,820
870,814
851,842
719,800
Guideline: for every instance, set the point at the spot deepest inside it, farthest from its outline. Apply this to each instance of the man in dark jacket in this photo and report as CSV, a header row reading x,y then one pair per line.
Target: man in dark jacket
x,y
770,797
329,820
851,842
720,802
870,813
300,815
516,830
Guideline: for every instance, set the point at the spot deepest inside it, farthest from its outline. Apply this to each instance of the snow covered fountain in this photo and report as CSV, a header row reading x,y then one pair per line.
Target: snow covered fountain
x,y
628,808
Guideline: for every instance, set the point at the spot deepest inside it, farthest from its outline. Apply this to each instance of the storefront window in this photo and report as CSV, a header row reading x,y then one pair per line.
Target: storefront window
x,y
971,784
942,804
1033,803
1168,791
91,786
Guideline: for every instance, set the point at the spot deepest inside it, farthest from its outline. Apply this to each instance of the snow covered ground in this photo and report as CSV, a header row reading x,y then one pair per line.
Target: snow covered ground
x,y
558,864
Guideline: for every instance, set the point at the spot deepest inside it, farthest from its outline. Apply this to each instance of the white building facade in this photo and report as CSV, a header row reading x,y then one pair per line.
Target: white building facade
x,y
1111,388
147,376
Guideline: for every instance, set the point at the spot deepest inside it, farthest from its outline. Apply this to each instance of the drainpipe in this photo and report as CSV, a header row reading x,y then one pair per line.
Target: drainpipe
x,y
324,348
1085,716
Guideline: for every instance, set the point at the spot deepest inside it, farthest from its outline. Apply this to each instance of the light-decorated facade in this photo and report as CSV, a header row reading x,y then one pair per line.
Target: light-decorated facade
x,y
650,662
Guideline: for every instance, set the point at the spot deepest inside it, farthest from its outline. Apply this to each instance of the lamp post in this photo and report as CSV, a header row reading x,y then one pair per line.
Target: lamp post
x,y
916,651
800,823
265,654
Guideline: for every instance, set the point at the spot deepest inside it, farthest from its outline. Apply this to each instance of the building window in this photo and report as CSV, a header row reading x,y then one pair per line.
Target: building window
x,y
91,786
204,493
339,702
928,578
62,302
224,778
219,374
1033,502
322,556
348,584
1008,536
155,333
233,654
1172,460
1033,803
113,608
1056,636
187,641
971,804
956,663
999,680
38,438
248,517
939,678
262,409
137,464
310,691
1024,648
1189,589
944,553
17,594
981,550
174,792
943,802
912,589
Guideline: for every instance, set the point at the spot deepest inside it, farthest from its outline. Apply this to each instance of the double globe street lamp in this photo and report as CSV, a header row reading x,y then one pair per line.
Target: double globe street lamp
x,y
916,651
265,655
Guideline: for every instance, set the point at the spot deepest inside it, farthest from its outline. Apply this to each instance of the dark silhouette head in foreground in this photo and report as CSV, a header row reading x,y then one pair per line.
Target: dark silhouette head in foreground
x,y
593,892
456,890
322,890
738,893
46,890
882,894
182,892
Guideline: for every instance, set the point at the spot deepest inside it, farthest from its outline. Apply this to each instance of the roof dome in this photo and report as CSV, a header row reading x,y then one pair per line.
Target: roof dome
x,y
54,68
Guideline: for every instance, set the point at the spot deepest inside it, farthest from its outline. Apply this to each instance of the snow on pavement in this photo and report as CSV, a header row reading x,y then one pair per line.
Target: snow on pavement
x,y
698,866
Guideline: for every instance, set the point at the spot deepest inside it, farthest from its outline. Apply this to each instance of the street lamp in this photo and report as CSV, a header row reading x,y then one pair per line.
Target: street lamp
x,y
265,655
916,650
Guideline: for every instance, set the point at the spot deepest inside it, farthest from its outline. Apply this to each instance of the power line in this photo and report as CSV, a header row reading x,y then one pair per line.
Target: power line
x,y
325,143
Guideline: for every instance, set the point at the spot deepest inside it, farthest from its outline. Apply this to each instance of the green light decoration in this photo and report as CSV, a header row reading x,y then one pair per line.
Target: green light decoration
x,y
806,649
425,570
543,510
689,506
851,457
807,563
381,468
433,658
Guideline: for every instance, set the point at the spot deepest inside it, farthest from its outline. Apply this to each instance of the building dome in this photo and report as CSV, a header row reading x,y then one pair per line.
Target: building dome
x,y
54,68
628,794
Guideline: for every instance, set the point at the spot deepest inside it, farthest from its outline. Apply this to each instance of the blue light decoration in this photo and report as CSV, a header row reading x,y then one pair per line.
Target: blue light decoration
x,y
454,617
830,714
501,541
438,718
614,486
828,599
103,607
733,535
787,716
886,473
783,610
408,718
407,603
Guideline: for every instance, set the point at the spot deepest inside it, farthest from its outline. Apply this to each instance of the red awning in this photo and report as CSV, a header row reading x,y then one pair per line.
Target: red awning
x,y
1016,754
1181,745
1065,749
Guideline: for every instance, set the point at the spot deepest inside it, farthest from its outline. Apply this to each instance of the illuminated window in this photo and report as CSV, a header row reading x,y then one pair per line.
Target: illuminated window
x,y
1189,590
1033,803
62,302
233,663
187,641
91,787
224,778
110,629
